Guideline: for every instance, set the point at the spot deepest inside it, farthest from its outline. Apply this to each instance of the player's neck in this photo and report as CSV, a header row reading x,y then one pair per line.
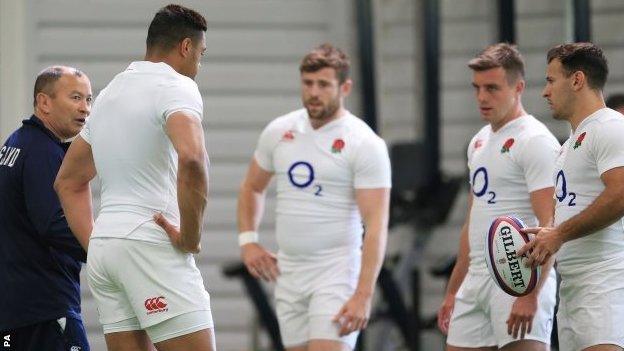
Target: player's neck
x,y
157,57
516,113
48,124
318,123
585,107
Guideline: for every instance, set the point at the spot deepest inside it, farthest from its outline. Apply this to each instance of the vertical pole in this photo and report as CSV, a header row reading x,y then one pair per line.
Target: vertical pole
x,y
364,11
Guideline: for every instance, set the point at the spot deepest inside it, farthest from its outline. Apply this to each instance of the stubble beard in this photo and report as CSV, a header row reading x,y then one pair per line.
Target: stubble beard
x,y
326,112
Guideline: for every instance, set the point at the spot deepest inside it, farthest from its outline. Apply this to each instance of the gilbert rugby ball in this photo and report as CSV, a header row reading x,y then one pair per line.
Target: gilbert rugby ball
x,y
504,239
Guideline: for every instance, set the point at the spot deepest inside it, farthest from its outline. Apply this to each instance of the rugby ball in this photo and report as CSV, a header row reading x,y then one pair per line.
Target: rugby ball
x,y
504,239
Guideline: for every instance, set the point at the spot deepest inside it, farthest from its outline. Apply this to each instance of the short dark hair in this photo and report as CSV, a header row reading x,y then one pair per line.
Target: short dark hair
x,y
171,25
502,55
47,78
615,101
324,56
585,57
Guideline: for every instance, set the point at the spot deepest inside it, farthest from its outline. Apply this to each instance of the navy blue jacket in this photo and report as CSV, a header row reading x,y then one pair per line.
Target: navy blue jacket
x,y
39,256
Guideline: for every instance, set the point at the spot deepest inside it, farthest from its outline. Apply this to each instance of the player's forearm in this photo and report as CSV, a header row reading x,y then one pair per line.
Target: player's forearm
x,y
604,211
373,253
250,208
192,199
544,275
546,222
544,209
79,217
545,219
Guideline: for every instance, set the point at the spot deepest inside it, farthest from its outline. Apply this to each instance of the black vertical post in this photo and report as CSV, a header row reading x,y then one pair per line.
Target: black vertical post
x,y
431,19
506,21
582,20
367,61
366,47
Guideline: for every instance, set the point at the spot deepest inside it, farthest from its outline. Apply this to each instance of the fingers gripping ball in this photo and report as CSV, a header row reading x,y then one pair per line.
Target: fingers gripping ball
x,y
504,239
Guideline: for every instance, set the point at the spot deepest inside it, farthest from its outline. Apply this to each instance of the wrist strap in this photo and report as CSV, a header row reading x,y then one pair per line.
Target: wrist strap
x,y
247,237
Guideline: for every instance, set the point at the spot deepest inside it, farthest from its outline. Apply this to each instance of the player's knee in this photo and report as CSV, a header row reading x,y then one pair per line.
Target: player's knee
x,y
327,345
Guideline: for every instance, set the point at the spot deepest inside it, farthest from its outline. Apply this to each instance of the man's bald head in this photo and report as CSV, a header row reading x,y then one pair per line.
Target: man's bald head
x,y
47,78
62,100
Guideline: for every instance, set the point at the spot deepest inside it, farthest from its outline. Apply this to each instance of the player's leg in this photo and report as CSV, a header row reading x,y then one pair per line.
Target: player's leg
x,y
202,340
170,300
526,345
132,340
604,347
303,347
538,338
291,308
456,348
328,345
591,310
470,328
333,286
188,331
324,332
122,331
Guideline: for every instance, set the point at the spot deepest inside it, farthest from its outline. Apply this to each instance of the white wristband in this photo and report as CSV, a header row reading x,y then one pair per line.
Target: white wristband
x,y
247,237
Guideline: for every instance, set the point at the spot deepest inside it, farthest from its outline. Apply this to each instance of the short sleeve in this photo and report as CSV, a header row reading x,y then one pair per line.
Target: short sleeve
x,y
537,159
372,165
179,96
607,145
469,152
470,149
264,149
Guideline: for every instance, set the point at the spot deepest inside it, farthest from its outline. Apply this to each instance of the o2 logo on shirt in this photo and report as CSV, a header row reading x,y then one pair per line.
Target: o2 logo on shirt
x,y
480,182
301,175
561,190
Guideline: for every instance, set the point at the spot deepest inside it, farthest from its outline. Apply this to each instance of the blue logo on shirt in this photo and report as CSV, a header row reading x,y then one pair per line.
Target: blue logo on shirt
x,y
295,178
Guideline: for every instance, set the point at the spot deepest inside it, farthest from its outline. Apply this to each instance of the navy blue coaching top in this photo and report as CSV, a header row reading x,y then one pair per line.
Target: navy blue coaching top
x,y
39,256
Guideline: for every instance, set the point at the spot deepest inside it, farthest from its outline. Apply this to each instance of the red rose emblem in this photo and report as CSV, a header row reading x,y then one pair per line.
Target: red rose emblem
x,y
507,145
579,140
288,136
337,146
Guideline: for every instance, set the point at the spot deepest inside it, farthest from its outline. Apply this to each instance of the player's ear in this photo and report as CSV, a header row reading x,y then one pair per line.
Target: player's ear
x,y
43,102
578,80
185,47
345,88
520,85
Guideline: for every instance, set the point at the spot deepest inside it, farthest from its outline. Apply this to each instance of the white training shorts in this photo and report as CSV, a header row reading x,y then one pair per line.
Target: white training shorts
x,y
591,308
144,285
482,309
307,299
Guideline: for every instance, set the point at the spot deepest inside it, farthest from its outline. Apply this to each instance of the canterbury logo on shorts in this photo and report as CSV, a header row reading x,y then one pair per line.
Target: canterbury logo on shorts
x,y
156,304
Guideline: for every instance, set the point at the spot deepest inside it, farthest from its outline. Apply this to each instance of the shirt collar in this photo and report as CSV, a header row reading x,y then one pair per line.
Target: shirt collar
x,y
590,118
143,66
510,124
38,123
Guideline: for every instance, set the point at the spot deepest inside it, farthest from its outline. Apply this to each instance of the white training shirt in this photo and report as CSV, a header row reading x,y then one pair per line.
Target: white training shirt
x,y
134,158
596,146
505,167
317,173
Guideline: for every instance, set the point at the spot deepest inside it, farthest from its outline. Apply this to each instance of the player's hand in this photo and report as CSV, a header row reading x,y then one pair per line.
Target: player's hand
x,y
177,239
354,314
521,316
261,263
445,312
542,247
